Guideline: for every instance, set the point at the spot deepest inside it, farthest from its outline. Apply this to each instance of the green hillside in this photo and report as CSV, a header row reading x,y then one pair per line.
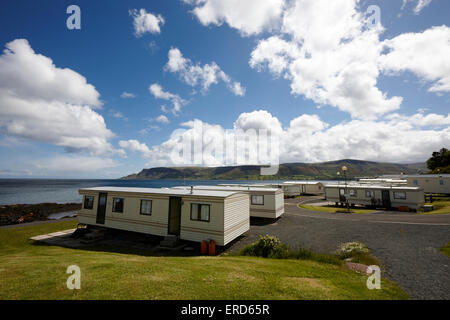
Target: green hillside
x,y
322,170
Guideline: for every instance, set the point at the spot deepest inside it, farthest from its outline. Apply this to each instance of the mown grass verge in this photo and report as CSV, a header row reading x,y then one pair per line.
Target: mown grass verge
x,y
32,271
439,207
446,249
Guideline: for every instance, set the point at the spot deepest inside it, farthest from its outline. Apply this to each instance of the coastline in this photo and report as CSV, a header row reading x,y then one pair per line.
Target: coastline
x,y
24,213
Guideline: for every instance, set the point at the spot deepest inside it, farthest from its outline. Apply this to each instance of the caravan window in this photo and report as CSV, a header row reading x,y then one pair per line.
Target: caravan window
x,y
352,192
88,202
146,207
258,200
117,205
369,194
200,212
399,195
441,182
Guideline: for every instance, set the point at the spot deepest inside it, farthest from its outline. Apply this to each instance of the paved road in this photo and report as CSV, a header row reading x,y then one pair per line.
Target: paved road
x,y
406,244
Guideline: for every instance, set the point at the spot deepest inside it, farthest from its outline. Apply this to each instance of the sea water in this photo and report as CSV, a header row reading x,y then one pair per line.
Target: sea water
x,y
29,191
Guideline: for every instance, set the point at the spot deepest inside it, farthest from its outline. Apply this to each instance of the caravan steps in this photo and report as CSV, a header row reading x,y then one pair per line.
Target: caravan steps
x,y
170,241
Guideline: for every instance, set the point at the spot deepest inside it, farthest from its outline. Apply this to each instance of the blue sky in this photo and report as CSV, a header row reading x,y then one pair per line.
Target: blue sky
x,y
333,118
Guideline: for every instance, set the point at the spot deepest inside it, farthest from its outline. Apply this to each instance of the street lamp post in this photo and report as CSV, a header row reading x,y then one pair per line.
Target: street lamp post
x,y
338,174
344,169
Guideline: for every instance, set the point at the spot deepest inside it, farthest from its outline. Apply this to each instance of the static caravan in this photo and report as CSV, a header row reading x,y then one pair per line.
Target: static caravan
x,y
376,195
195,216
290,188
307,187
430,183
383,181
264,202
296,188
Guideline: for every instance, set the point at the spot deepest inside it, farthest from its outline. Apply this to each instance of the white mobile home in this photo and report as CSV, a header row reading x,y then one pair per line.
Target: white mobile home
x,y
383,181
290,188
430,183
376,195
296,188
306,187
196,216
264,202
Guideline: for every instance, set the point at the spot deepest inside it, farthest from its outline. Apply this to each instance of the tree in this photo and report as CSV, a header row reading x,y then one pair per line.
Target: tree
x,y
439,161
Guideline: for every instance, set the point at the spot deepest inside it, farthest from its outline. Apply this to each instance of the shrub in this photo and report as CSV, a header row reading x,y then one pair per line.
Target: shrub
x,y
349,249
280,252
264,247
271,247
356,252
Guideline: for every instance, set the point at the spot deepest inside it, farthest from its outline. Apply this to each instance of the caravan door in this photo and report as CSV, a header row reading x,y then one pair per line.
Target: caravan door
x,y
101,208
342,195
174,215
385,199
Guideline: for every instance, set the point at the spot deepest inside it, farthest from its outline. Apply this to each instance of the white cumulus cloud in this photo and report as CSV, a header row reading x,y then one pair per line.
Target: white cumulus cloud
x,y
144,22
135,146
426,54
162,119
41,102
198,75
248,16
158,92
127,95
331,52
329,55
308,138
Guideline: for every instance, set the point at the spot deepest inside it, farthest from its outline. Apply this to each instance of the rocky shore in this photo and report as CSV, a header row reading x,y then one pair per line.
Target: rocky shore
x,y
20,213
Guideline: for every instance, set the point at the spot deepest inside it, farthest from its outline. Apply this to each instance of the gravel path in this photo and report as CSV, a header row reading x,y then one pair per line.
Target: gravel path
x,y
407,245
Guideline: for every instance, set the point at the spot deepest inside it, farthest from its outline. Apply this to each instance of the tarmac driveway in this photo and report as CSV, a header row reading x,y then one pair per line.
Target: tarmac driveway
x,y
406,244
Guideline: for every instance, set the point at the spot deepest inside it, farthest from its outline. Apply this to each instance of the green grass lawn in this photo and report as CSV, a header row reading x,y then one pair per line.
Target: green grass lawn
x,y
31,271
333,209
446,249
440,207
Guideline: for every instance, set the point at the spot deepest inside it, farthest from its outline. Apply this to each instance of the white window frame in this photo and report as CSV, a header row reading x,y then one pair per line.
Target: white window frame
x,y
396,195
113,209
372,194
257,195
84,202
151,207
199,218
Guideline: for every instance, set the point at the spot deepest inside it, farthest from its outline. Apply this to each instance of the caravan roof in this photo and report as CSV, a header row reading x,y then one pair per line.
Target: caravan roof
x,y
443,175
231,188
370,186
166,191
301,182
